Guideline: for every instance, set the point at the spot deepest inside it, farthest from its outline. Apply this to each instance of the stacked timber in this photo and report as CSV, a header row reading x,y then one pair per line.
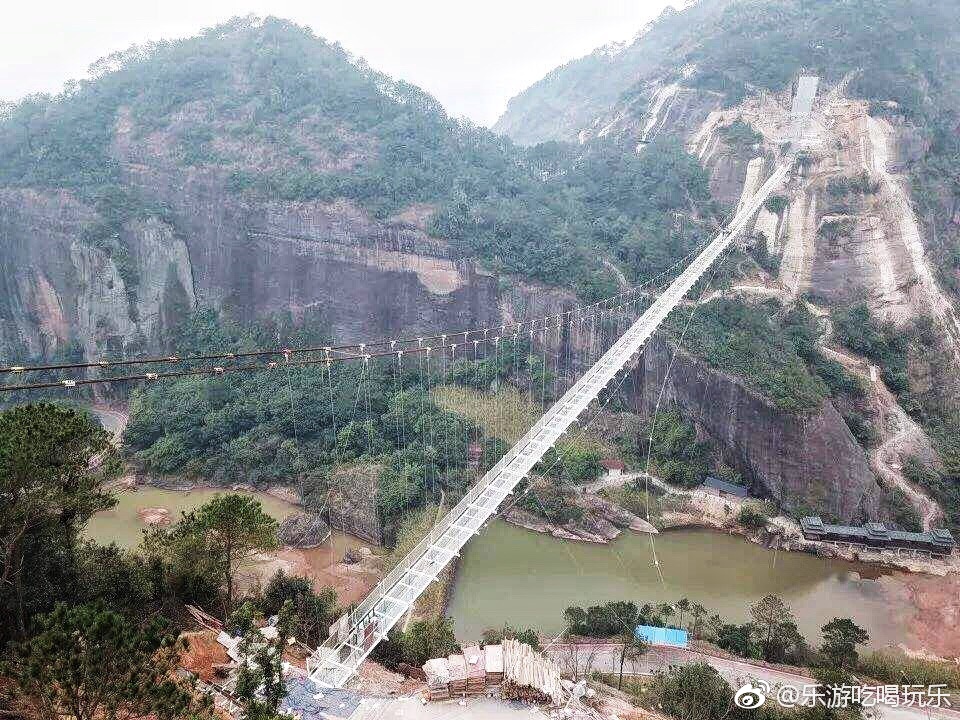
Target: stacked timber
x,y
514,666
493,660
526,667
476,670
458,674
437,671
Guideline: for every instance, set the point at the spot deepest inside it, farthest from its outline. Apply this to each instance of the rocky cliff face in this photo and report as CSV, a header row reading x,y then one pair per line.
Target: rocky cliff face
x,y
59,290
365,279
806,461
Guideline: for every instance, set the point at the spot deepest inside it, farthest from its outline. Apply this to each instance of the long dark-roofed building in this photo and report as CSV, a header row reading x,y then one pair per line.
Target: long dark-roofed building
x,y
876,535
716,486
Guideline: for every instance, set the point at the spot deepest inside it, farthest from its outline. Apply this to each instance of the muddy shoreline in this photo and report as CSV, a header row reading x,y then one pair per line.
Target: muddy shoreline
x,y
181,484
932,598
929,596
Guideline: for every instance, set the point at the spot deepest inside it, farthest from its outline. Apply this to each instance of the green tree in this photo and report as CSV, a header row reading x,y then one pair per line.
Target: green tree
x,y
429,638
834,704
230,529
840,639
679,457
605,620
180,569
312,612
666,611
53,463
119,578
580,465
683,606
632,646
698,612
775,628
737,639
692,692
752,516
90,663
424,639
495,636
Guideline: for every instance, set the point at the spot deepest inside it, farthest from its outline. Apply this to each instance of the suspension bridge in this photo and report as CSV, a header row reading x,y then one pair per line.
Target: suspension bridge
x,y
358,632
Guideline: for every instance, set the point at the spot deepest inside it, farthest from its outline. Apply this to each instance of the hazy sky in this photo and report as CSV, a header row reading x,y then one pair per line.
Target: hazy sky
x,y
472,55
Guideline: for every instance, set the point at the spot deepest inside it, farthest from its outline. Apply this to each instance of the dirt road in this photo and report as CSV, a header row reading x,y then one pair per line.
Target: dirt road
x,y
606,658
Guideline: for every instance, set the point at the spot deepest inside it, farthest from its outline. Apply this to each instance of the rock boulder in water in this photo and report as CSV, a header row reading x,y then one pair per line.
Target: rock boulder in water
x,y
303,530
154,516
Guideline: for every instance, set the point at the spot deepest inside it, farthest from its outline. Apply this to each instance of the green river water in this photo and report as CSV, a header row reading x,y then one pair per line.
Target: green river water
x,y
122,526
511,575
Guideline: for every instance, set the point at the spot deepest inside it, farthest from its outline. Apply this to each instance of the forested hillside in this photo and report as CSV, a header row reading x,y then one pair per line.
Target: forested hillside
x,y
897,62
249,178
276,113
578,93
262,117
904,54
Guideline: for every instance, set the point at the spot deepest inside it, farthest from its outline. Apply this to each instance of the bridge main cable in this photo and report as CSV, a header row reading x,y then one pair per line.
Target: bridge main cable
x,y
352,351
358,632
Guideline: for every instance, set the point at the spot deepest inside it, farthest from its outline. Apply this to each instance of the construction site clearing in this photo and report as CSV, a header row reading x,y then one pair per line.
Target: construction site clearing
x,y
508,680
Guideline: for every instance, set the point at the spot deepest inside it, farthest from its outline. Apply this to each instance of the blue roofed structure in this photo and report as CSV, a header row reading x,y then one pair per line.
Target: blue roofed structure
x,y
662,636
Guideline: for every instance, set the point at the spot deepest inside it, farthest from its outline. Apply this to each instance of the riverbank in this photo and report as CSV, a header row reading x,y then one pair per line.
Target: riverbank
x,y
602,521
935,625
671,508
178,483
508,574
526,579
324,565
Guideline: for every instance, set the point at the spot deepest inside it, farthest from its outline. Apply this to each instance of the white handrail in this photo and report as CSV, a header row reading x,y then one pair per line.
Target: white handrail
x,y
336,660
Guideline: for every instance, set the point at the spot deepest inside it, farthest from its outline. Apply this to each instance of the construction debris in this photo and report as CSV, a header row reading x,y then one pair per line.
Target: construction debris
x,y
512,691
458,674
476,670
304,700
493,657
204,619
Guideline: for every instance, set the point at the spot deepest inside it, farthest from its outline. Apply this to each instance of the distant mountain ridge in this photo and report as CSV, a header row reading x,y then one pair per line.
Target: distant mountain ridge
x,y
740,45
573,95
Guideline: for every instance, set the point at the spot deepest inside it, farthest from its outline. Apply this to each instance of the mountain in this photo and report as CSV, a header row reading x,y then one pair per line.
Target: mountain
x,y
573,96
866,242
266,176
730,46
258,168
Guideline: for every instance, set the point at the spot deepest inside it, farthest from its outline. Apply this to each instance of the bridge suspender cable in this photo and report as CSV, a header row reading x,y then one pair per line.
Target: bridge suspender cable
x,y
359,349
336,661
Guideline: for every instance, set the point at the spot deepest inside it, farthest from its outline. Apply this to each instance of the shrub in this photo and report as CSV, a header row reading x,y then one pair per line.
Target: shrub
x,y
747,340
752,516
892,666
692,691
495,636
776,204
